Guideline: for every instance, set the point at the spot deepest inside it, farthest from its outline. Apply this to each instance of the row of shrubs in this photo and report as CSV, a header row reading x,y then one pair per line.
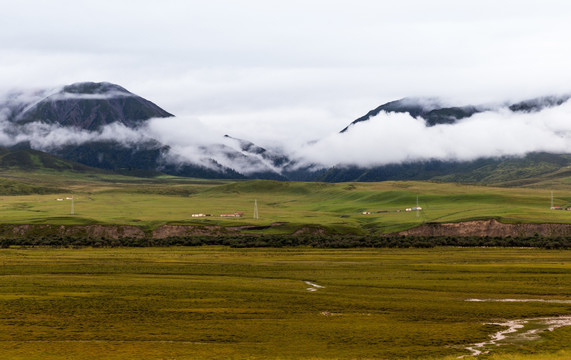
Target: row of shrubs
x,y
277,241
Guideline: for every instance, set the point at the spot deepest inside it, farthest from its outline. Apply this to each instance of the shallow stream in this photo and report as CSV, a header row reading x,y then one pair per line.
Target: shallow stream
x,y
517,331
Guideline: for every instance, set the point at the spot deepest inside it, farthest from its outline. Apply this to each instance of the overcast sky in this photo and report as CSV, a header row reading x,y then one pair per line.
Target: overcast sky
x,y
284,70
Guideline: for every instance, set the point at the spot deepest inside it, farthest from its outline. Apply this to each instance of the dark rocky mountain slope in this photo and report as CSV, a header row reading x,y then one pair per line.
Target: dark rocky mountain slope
x,y
90,106
434,112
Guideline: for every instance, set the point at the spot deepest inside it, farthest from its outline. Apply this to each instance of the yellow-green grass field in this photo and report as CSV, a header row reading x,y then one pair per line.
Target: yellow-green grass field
x,y
112,199
292,303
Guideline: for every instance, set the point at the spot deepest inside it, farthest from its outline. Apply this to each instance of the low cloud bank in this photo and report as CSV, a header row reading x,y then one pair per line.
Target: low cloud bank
x,y
187,140
192,142
390,138
47,137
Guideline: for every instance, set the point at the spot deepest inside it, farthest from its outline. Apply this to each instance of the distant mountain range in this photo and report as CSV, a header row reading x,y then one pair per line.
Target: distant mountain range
x,y
89,107
435,113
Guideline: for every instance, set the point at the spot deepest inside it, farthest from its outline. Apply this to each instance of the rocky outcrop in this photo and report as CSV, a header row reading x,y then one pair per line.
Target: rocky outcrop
x,y
109,231
480,228
89,231
166,231
492,228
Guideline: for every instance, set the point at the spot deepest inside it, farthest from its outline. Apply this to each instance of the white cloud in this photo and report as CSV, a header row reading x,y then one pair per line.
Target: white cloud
x,y
250,61
384,139
397,137
283,73
42,136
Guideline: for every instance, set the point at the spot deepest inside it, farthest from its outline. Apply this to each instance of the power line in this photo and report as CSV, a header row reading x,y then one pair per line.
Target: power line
x,y
551,200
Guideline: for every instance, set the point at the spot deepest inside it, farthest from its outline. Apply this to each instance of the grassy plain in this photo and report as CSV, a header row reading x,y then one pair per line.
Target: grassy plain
x,y
151,202
215,302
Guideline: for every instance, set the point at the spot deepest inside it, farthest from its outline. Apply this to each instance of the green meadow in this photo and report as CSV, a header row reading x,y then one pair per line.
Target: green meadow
x,y
337,208
292,303
209,302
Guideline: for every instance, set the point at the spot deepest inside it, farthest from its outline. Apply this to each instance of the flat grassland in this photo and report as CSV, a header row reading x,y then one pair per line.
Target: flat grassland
x,y
292,303
337,208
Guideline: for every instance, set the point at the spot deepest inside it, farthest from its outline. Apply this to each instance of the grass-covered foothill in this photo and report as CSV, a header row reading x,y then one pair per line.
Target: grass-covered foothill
x,y
298,207
290,303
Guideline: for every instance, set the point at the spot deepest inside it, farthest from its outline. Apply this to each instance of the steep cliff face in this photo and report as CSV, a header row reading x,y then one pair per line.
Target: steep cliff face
x,y
89,231
491,228
483,228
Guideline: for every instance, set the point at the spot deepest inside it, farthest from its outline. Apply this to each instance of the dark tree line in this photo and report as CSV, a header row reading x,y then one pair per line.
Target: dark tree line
x,y
277,241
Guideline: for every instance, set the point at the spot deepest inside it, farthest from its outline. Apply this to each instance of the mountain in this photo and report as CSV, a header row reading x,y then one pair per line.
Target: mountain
x,y
22,158
115,156
503,170
538,104
486,170
430,109
434,112
103,125
265,163
90,106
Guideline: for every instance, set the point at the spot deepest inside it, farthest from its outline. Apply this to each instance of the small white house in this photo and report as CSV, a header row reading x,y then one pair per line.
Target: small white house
x,y
236,214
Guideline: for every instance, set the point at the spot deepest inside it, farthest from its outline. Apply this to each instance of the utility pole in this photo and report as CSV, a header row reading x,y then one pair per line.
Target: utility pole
x,y
256,209
552,200
72,210
417,215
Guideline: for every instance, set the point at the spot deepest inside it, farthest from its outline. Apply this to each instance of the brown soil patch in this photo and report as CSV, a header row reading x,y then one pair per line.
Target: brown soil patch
x,y
166,231
492,228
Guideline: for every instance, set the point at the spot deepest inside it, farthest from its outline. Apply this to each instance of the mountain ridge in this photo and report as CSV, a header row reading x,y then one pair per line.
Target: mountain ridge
x,y
91,106
435,112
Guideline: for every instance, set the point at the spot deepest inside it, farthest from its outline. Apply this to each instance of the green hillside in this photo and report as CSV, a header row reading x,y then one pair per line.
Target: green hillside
x,y
333,208
505,171
26,159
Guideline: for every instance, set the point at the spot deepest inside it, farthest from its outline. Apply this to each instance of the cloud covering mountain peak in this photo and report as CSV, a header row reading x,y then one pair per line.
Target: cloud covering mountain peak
x,y
77,116
410,130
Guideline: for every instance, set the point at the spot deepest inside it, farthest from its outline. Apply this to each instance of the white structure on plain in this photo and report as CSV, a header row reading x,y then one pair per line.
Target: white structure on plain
x,y
256,216
72,209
